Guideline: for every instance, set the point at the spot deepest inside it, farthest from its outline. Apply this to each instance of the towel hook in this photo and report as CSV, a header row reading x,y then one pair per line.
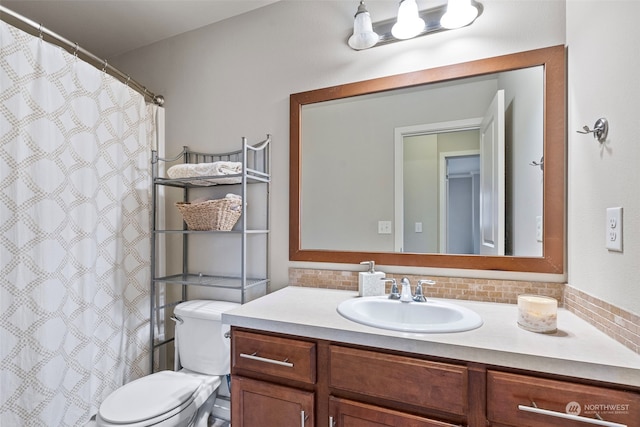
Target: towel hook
x,y
600,130
540,163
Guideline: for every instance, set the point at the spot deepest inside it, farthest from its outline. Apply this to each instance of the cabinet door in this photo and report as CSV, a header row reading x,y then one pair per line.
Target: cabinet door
x,y
347,413
262,404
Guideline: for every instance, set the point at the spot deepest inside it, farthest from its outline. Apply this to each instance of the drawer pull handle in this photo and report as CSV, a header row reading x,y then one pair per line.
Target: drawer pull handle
x,y
303,418
556,414
331,422
266,360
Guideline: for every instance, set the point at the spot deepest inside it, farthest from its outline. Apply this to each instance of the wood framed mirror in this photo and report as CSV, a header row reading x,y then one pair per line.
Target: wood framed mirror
x,y
548,225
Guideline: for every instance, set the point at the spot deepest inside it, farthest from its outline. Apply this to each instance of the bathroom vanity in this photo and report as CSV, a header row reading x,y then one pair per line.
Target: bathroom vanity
x,y
296,361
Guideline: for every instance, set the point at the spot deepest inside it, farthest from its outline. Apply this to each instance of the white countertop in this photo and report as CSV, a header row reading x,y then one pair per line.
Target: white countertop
x,y
578,349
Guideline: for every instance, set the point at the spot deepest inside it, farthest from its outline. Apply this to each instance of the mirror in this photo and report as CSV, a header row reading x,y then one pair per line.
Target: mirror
x,y
359,190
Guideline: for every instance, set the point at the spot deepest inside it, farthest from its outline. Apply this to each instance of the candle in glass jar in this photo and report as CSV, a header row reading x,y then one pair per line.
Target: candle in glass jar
x,y
537,313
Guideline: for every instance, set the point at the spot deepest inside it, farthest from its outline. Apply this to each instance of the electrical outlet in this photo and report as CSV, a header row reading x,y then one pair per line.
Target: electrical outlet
x,y
418,227
384,227
613,226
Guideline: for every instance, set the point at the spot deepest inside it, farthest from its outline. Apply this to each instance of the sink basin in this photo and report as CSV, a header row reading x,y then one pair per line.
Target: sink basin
x,y
433,316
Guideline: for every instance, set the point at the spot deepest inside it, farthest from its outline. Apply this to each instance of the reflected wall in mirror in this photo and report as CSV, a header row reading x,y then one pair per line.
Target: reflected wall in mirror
x,y
418,170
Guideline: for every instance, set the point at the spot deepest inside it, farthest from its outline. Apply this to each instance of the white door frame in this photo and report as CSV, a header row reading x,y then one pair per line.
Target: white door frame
x,y
399,134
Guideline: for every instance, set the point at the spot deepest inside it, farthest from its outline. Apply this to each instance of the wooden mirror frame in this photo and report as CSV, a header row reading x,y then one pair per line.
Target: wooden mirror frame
x,y
553,246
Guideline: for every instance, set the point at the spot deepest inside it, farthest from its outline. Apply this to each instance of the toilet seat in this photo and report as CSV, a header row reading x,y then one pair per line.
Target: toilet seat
x,y
151,400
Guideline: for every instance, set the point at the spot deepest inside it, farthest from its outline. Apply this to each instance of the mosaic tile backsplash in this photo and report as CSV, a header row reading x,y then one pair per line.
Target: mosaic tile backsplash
x,y
619,324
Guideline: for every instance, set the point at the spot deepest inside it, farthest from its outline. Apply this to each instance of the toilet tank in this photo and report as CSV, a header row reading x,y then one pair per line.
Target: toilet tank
x,y
200,342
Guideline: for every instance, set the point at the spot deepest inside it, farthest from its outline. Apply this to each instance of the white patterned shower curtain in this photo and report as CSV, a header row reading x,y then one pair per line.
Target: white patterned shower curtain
x,y
75,149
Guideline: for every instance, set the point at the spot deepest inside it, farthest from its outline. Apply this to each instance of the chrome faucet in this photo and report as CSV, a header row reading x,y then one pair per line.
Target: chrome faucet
x,y
405,295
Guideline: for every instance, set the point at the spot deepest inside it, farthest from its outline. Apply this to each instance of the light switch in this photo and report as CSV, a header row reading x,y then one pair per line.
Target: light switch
x,y
539,228
384,227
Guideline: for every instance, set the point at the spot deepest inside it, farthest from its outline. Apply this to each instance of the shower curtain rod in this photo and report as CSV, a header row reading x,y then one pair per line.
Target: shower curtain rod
x,y
15,19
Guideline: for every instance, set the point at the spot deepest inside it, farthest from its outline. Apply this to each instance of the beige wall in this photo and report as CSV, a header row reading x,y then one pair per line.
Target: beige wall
x,y
234,78
608,175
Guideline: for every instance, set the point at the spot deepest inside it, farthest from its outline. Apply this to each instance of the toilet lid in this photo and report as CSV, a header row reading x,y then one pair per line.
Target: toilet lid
x,y
149,397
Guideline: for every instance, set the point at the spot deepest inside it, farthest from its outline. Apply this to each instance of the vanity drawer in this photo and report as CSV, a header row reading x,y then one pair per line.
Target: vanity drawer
x,y
348,413
280,357
433,385
512,400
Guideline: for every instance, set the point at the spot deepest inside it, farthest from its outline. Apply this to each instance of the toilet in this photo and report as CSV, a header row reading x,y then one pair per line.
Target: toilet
x,y
182,398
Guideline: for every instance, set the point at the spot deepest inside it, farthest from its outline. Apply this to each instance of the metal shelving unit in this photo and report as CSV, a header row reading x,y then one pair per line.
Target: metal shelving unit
x,y
256,170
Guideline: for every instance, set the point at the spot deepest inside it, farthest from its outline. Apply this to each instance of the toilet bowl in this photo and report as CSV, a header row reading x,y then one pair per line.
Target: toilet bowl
x,y
183,398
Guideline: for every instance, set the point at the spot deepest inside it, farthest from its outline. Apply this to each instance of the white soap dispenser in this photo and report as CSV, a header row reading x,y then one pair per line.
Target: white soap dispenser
x,y
370,282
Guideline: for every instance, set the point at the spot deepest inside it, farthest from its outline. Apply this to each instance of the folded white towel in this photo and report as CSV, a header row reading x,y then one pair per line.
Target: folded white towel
x,y
195,170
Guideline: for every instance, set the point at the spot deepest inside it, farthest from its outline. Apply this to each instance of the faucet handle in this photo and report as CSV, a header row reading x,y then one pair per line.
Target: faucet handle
x,y
395,294
419,296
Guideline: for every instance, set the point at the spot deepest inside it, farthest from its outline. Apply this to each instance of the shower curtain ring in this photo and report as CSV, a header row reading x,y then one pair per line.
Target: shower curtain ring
x,y
40,34
75,50
104,65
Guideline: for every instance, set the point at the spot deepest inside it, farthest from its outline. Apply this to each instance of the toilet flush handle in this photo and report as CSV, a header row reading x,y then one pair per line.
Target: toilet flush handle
x,y
176,319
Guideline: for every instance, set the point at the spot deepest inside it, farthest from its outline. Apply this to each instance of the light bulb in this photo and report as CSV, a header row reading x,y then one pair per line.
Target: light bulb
x,y
409,23
363,36
459,13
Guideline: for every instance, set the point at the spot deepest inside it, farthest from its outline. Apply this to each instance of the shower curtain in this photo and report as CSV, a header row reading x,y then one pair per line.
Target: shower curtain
x,y
75,150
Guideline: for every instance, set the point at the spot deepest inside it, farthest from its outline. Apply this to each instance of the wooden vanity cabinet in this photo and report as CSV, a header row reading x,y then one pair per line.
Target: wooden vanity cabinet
x,y
284,381
273,381
289,381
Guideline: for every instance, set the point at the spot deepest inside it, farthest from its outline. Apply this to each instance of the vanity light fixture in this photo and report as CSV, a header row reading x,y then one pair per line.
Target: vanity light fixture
x,y
411,22
459,13
363,36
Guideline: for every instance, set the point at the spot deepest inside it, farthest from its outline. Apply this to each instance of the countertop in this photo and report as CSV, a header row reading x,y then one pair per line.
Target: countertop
x,y
578,349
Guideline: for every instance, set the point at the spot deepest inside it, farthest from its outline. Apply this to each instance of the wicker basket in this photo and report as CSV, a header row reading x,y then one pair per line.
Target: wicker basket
x,y
218,214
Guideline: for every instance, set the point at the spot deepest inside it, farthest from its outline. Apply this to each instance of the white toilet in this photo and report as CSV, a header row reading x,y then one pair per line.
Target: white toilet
x,y
186,397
